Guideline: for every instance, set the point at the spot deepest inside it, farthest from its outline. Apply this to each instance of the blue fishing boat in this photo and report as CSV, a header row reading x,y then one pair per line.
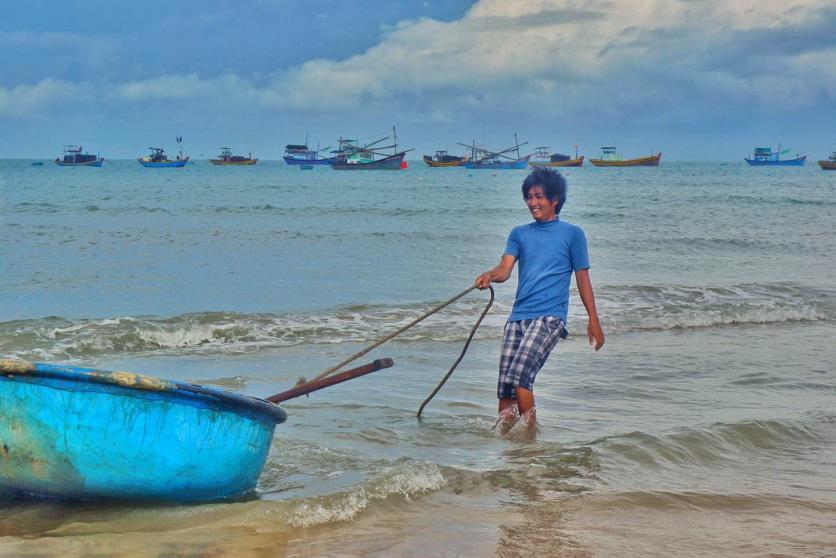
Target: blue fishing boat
x,y
301,154
80,433
764,156
481,158
517,164
73,156
158,158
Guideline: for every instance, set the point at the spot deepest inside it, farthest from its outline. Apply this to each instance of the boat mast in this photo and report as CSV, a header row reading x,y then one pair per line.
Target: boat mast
x,y
395,134
517,145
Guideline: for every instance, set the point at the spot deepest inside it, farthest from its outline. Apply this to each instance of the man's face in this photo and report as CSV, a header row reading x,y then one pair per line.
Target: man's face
x,y
541,208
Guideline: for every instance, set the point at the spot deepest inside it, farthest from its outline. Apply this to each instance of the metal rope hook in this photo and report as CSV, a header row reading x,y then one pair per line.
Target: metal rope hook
x,y
461,356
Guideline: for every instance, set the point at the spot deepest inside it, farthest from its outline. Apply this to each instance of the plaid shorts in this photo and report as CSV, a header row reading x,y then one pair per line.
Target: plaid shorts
x,y
525,348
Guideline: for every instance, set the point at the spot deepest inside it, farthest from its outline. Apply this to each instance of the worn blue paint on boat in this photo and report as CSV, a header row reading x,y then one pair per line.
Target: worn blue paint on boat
x,y
794,162
171,163
518,164
80,433
296,161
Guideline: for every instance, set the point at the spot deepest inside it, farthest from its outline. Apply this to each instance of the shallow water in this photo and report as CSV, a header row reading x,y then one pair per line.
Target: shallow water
x,y
705,427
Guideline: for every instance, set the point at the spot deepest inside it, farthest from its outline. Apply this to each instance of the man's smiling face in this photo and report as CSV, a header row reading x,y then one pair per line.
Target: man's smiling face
x,y
541,208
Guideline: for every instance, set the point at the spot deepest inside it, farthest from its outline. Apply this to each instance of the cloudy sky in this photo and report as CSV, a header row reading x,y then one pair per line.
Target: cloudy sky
x,y
696,79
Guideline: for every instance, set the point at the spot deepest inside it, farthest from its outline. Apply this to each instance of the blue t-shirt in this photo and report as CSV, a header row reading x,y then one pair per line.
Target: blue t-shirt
x,y
547,254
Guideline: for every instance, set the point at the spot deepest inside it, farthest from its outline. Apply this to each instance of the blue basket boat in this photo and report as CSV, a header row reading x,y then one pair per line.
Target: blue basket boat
x,y
80,433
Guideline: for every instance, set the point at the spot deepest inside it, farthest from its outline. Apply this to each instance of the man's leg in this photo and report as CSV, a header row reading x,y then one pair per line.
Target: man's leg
x,y
505,404
539,339
506,388
525,403
507,415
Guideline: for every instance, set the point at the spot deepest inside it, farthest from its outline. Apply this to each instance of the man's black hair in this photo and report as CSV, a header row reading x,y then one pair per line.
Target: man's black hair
x,y
553,183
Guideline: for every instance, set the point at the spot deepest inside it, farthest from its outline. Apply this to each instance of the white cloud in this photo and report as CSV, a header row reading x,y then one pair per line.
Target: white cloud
x,y
566,54
610,57
172,87
35,100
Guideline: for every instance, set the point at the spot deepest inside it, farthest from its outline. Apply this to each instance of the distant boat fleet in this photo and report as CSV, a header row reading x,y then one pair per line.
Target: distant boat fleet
x,y
352,154
483,158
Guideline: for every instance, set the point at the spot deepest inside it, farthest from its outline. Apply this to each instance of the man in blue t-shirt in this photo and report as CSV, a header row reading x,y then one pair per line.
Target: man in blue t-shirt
x,y
549,251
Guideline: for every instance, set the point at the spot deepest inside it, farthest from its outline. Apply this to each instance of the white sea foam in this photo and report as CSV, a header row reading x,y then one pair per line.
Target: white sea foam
x,y
405,480
623,309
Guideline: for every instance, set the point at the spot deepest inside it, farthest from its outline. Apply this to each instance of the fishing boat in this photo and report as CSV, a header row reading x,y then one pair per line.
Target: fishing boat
x,y
370,156
765,157
611,158
443,159
158,159
301,154
829,163
227,158
73,156
543,157
80,433
482,158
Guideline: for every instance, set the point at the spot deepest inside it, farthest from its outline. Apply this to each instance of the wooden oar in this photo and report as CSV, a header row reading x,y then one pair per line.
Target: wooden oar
x,y
315,385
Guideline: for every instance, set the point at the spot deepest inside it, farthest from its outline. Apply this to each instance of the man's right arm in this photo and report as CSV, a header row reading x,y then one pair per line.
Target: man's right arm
x,y
499,274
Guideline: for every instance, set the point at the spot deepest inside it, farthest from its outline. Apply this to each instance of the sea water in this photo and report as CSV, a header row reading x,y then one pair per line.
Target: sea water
x,y
706,426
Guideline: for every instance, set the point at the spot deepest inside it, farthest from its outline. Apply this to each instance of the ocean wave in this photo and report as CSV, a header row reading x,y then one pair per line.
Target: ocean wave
x,y
670,307
714,444
623,309
403,480
773,201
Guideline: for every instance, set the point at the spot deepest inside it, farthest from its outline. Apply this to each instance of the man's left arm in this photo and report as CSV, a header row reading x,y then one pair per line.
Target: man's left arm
x,y
596,334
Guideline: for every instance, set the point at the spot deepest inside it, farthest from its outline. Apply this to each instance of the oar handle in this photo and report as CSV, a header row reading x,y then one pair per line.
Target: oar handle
x,y
315,385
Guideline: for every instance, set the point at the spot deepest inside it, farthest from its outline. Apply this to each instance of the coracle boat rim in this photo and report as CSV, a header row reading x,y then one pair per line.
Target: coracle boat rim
x,y
140,382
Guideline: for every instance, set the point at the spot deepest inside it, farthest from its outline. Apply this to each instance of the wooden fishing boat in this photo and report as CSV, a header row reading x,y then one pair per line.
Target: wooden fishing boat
x,y
610,158
443,159
829,163
227,158
543,157
496,164
369,156
158,159
482,158
73,157
80,433
391,162
765,157
301,154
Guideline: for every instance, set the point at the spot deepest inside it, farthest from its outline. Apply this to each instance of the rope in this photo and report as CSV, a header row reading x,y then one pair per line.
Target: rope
x,y
461,356
328,371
